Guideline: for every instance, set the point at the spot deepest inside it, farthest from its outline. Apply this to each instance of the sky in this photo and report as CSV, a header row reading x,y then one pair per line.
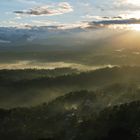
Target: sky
x,y
68,12
73,26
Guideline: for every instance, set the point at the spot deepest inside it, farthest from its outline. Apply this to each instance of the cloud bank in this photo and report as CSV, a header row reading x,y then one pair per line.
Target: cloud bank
x,y
118,21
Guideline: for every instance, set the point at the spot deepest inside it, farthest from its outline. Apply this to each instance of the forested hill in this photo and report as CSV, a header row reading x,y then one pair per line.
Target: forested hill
x,y
30,74
33,87
99,77
50,122
70,105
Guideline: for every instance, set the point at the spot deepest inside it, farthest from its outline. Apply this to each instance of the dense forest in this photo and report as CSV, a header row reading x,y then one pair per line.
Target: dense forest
x,y
72,117
68,104
32,87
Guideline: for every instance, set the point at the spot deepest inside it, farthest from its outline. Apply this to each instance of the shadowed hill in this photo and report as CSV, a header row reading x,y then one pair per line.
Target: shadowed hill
x,y
113,123
46,120
54,121
26,89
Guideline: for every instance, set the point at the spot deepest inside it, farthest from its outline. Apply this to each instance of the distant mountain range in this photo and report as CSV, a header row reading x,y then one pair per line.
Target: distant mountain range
x,y
44,35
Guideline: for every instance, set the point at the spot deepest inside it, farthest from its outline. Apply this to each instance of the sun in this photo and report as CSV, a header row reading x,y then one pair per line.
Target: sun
x,y
134,2
135,27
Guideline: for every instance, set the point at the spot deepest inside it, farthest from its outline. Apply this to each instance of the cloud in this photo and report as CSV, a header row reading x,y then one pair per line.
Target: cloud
x,y
98,18
126,5
122,20
28,2
114,6
118,21
5,41
77,25
50,10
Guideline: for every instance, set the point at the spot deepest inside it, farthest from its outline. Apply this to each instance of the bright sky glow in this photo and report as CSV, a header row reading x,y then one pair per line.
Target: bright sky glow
x,y
135,27
135,2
